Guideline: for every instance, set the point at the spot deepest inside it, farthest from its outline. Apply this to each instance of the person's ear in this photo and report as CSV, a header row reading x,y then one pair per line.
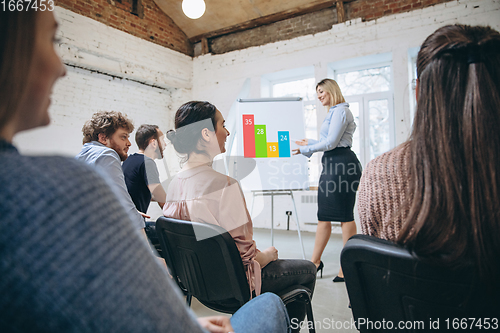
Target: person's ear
x,y
153,143
102,138
205,134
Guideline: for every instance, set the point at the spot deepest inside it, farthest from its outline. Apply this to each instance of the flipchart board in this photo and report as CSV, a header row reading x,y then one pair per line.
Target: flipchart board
x,y
266,132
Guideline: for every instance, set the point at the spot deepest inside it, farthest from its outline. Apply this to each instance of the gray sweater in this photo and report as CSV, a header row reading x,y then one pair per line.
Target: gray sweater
x,y
71,259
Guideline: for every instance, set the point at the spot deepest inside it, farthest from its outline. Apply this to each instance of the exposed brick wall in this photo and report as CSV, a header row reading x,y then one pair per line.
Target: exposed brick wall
x,y
287,29
313,23
373,9
153,26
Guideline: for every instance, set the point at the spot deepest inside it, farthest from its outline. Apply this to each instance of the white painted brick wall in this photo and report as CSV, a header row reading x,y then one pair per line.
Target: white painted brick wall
x,y
130,66
110,70
81,93
93,45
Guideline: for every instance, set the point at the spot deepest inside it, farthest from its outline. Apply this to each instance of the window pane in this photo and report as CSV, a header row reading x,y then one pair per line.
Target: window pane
x,y
379,127
356,144
304,88
310,121
365,81
315,168
311,127
413,100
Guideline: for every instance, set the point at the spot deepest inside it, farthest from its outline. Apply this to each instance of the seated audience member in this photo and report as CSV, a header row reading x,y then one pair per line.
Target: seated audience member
x,y
105,146
438,193
141,175
199,193
70,257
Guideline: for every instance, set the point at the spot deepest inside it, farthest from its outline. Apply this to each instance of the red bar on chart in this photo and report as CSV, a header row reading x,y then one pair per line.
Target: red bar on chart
x,y
248,135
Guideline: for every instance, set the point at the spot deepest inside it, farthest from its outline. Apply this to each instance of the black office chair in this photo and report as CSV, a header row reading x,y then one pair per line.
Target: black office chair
x,y
150,230
205,262
386,282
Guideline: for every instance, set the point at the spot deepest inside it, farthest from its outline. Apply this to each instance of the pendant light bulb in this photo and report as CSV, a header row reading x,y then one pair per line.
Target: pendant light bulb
x,y
193,9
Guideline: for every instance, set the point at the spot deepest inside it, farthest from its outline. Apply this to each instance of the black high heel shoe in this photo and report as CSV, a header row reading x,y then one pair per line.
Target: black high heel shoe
x,y
320,268
338,279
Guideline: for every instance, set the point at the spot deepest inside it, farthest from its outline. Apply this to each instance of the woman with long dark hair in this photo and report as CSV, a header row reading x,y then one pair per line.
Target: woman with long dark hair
x,y
341,170
439,192
201,194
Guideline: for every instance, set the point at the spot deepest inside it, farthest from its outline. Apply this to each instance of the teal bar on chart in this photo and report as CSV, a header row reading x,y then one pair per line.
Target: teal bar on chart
x,y
284,143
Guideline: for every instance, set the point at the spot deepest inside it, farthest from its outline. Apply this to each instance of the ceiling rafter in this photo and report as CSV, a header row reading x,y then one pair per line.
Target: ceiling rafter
x,y
224,17
268,19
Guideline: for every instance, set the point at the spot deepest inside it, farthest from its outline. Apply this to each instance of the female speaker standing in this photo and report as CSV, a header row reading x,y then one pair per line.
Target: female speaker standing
x,y
341,169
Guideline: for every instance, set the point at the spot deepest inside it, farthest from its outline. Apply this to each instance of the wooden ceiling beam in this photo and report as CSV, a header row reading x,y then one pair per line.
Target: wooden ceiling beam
x,y
204,46
340,12
269,19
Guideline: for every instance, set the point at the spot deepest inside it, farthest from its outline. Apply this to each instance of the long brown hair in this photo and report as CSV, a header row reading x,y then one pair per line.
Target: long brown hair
x,y
453,197
17,40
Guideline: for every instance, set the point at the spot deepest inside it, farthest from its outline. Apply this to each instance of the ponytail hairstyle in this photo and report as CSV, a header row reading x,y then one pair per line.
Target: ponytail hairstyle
x,y
191,118
454,182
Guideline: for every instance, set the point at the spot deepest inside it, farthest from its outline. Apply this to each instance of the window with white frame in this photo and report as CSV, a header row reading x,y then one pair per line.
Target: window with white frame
x,y
412,67
304,87
368,90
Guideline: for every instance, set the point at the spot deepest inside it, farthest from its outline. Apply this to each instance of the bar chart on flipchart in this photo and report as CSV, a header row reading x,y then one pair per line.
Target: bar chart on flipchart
x,y
266,133
256,143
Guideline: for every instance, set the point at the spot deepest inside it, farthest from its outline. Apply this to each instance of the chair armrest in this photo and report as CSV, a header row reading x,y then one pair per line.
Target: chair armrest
x,y
296,292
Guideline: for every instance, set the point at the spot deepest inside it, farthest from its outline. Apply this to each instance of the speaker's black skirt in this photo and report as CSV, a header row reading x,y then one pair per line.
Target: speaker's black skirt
x,y
338,185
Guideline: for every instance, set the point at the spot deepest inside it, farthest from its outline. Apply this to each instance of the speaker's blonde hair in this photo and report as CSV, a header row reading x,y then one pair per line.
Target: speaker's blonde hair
x,y
332,88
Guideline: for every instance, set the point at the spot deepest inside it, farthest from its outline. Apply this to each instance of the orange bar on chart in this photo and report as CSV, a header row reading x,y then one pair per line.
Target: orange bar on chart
x,y
272,149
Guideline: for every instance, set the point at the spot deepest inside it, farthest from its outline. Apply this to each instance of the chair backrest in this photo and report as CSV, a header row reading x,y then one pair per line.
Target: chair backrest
x,y
387,282
209,268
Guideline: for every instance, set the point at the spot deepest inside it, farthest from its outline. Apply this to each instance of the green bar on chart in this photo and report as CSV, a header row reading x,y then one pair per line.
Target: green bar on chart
x,y
260,141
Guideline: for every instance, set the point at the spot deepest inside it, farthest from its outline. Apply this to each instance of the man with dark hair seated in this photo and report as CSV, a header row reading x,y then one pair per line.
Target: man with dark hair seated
x,y
141,174
140,171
